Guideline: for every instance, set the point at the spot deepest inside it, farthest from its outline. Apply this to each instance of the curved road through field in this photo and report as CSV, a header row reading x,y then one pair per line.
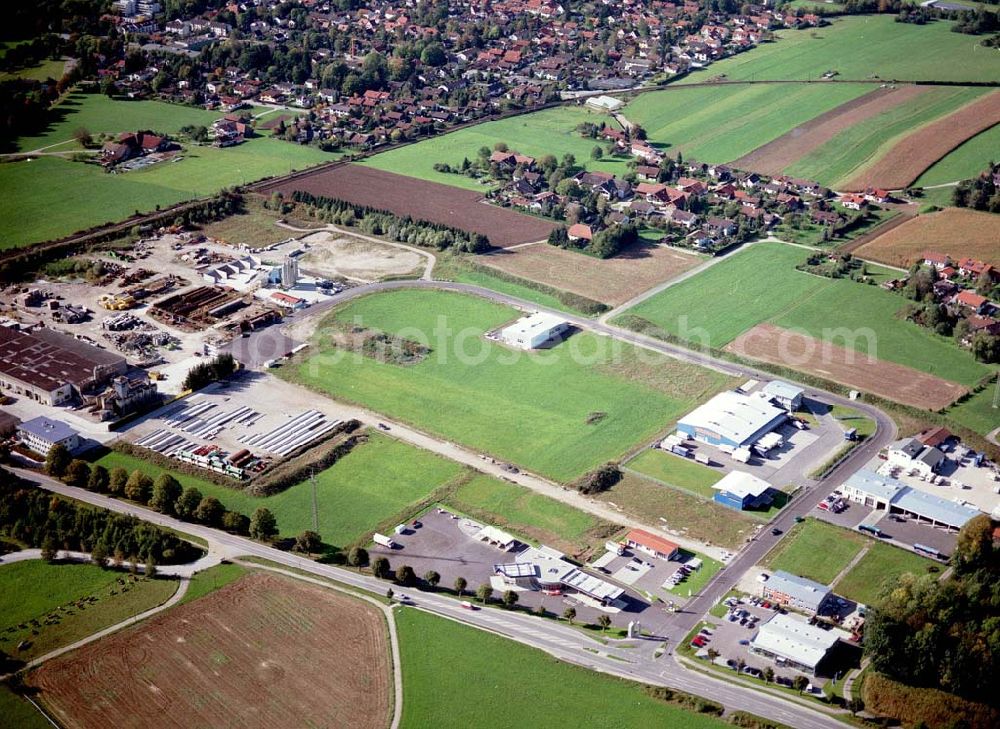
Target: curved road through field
x,y
557,639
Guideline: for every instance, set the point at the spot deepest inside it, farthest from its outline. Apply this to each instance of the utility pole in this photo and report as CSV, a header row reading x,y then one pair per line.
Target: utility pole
x,y
312,480
996,393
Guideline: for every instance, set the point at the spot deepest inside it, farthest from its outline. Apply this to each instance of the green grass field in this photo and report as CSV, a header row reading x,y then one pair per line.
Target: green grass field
x,y
693,516
762,285
853,149
17,712
40,72
859,47
439,656
697,579
208,581
723,123
977,413
31,591
965,161
878,569
49,197
552,131
524,511
677,471
531,408
374,482
816,550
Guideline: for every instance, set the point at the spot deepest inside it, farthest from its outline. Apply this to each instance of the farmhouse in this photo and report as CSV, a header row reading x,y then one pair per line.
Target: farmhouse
x,y
912,455
740,490
794,643
53,368
651,544
885,493
42,434
799,592
783,394
547,570
533,331
731,419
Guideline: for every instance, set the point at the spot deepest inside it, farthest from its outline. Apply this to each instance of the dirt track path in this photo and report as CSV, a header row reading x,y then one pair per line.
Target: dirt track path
x,y
773,157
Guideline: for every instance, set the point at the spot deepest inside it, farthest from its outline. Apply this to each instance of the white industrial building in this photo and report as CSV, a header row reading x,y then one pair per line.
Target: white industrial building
x,y
41,434
792,642
884,493
732,419
531,332
605,103
912,455
783,395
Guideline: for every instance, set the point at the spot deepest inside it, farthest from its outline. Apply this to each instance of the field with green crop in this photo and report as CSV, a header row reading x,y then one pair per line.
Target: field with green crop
x,y
552,131
559,411
438,656
677,471
878,569
849,151
723,123
978,413
862,47
374,482
816,550
17,712
49,197
83,598
965,161
516,508
760,284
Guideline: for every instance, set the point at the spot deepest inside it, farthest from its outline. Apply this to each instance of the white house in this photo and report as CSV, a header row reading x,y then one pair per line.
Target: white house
x,y
912,455
42,434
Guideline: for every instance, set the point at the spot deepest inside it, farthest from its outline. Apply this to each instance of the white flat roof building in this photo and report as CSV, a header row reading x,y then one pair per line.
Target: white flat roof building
x,y
546,569
794,641
533,331
605,103
784,394
731,419
500,538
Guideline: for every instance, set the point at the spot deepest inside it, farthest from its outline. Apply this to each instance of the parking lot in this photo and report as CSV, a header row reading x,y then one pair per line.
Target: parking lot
x,y
651,576
445,543
908,532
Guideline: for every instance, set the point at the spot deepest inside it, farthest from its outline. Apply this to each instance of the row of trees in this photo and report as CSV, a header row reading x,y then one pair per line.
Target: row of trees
x,y
605,243
205,373
375,221
165,494
43,520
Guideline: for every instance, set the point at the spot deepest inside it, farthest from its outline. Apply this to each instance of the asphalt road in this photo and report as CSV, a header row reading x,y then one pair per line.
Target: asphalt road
x,y
554,638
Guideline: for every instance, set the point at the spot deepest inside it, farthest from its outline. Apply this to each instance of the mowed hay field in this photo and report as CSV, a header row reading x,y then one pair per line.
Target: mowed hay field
x,y
307,656
551,131
760,284
558,411
957,232
965,161
51,196
896,134
611,281
419,199
910,156
454,675
722,123
859,47
375,481
878,570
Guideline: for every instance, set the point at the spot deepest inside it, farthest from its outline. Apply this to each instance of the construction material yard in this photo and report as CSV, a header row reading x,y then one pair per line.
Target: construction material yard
x,y
175,665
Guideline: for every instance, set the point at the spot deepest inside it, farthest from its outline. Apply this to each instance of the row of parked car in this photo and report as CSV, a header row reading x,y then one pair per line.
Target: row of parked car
x,y
702,639
680,575
833,503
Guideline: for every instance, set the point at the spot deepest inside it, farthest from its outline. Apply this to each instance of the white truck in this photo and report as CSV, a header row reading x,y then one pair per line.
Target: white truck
x,y
383,540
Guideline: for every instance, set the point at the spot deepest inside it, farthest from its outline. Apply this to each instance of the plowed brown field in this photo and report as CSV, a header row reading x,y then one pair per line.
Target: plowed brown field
x,y
957,232
773,157
266,651
769,343
611,281
915,152
419,199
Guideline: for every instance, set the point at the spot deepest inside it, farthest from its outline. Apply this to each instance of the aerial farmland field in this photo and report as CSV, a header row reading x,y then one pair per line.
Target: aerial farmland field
x,y
956,232
552,131
50,196
439,656
721,123
965,161
374,482
860,48
558,412
178,663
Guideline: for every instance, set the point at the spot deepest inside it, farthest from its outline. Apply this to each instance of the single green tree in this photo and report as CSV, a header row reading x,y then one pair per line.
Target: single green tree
x,y
405,575
604,621
432,578
77,473
99,479
166,490
799,683
57,461
509,599
357,557
139,487
484,592
209,511
187,502
308,542
117,480
569,615
380,568
263,525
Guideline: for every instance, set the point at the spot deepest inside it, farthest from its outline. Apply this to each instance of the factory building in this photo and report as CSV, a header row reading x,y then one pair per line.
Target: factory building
x,y
732,419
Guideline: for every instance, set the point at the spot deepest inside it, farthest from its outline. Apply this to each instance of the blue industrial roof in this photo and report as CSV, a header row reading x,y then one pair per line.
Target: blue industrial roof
x,y
52,431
